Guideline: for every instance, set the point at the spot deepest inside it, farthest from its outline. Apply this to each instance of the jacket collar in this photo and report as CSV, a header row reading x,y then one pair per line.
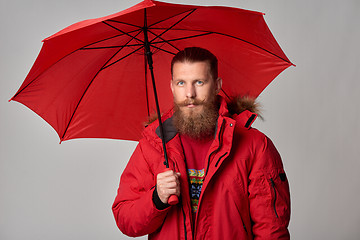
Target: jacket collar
x,y
243,119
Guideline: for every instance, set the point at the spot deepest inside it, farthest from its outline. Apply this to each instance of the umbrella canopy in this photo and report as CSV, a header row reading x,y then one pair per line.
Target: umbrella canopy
x,y
92,79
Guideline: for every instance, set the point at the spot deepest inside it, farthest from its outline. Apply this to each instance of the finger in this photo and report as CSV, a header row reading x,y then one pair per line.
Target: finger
x,y
169,173
170,185
170,182
165,190
171,178
165,174
164,194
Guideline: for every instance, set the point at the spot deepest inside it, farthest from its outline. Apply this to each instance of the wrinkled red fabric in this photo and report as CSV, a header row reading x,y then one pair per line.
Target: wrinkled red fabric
x,y
245,194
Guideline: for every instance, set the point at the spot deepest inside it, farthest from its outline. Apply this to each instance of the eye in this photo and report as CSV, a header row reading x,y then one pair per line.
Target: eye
x,y
199,82
180,83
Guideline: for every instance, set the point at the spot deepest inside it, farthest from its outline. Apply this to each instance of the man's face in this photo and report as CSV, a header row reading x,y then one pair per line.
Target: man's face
x,y
192,86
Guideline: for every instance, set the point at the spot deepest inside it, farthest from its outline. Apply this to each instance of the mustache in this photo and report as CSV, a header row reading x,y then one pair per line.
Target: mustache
x,y
190,101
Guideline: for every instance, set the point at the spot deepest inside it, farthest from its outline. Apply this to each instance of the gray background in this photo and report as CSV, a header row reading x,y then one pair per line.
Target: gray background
x,y
65,191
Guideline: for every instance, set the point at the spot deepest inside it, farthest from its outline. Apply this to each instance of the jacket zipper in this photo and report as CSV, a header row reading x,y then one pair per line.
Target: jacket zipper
x,y
245,228
182,209
207,168
219,135
218,161
274,204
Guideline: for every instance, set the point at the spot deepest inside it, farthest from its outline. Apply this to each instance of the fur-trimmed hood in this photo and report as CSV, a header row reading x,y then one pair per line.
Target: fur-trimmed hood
x,y
241,103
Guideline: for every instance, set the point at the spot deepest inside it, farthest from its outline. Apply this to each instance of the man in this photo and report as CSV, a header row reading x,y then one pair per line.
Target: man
x,y
228,176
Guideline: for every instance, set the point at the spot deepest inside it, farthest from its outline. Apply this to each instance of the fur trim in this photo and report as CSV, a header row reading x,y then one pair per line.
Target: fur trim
x,y
241,103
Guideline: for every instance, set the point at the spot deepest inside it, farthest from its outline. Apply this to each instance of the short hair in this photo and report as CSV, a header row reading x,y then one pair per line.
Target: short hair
x,y
197,54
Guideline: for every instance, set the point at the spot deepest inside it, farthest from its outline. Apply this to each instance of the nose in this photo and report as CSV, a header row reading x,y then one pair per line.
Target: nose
x,y
190,91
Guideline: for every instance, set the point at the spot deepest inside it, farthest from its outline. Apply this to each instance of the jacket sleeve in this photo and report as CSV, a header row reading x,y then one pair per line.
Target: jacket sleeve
x,y
133,208
269,194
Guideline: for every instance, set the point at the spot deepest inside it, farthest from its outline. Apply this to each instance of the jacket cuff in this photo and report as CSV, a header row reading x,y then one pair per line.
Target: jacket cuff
x,y
157,202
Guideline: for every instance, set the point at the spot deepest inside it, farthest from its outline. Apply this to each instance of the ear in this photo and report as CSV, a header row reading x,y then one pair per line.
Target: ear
x,y
218,85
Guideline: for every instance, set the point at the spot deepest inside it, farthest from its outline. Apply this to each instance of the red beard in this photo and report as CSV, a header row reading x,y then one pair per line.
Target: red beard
x,y
197,125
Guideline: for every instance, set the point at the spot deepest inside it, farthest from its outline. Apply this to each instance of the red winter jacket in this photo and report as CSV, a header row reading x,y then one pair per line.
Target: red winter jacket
x,y
245,194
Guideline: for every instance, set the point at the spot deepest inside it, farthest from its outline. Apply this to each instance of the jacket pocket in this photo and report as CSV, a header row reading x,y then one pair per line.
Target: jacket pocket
x,y
280,198
274,196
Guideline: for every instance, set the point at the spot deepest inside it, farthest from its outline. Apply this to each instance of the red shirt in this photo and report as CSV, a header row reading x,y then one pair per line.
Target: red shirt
x,y
195,153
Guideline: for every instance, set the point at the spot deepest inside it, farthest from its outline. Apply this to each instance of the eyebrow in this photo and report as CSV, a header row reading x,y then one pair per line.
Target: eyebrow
x,y
198,79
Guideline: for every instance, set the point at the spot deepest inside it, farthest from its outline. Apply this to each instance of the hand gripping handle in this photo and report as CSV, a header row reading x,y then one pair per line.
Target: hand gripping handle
x,y
173,199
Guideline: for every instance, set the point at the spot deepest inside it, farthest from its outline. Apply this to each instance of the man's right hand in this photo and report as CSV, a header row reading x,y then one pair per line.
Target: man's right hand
x,y
167,184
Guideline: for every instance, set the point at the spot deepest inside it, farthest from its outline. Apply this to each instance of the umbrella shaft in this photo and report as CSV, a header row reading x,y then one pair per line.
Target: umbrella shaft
x,y
151,68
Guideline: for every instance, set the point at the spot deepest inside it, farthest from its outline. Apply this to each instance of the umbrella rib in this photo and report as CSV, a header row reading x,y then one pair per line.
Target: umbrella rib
x,y
92,80
225,93
108,47
118,46
103,40
182,38
65,57
227,35
42,73
122,47
168,29
125,23
115,46
223,34
127,55
165,41
164,50
163,20
122,31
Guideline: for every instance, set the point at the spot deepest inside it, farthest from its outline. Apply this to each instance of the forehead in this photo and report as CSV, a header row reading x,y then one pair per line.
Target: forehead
x,y
191,70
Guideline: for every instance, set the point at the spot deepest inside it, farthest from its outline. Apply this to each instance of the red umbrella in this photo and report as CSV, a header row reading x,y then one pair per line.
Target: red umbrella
x,y
93,78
